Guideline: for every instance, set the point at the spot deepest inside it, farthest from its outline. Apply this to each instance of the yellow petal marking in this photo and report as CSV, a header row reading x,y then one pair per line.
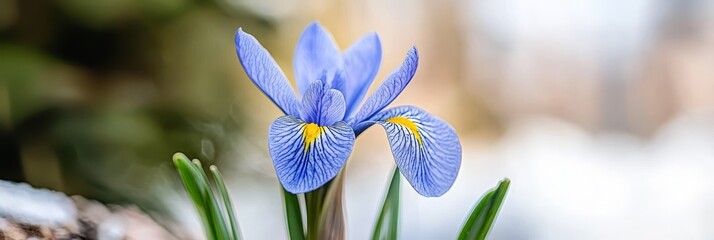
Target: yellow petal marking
x,y
310,132
409,124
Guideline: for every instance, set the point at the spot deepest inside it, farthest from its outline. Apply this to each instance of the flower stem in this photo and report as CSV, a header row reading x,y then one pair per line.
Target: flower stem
x,y
332,218
325,211
313,206
293,215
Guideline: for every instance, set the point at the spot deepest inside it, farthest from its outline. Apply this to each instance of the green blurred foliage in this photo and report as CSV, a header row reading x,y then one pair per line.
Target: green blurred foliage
x,y
108,89
24,87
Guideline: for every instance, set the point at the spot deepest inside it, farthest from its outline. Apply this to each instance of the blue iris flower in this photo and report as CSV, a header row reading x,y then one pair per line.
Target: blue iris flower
x,y
311,143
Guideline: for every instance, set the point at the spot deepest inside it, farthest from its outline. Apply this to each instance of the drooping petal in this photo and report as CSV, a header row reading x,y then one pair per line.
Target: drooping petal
x,y
426,148
316,54
362,62
306,155
322,105
265,73
390,88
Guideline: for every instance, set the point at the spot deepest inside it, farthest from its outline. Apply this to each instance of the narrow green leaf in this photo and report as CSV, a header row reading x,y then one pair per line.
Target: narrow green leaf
x,y
227,204
215,213
481,219
196,189
387,223
293,215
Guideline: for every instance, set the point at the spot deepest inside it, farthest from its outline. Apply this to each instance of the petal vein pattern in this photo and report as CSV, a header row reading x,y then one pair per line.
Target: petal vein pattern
x,y
426,149
265,73
390,88
306,155
322,105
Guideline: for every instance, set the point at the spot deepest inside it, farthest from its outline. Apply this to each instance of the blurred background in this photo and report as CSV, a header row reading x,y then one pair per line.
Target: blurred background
x,y
601,112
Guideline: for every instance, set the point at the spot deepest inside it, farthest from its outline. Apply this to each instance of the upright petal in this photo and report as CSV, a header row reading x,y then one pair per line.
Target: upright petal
x,y
316,55
265,73
339,82
322,105
426,149
306,155
362,62
390,88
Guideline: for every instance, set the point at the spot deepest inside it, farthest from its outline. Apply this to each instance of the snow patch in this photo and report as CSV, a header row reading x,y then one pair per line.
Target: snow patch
x,y
22,203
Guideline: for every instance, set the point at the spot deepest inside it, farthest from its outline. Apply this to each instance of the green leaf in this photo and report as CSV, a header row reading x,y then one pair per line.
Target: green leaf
x,y
479,222
387,223
293,215
213,211
196,188
227,204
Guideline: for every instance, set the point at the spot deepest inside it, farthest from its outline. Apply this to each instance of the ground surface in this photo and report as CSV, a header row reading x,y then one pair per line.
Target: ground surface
x,y
28,213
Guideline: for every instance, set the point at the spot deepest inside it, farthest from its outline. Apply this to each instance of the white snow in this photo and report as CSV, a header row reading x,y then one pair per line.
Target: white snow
x,y
24,204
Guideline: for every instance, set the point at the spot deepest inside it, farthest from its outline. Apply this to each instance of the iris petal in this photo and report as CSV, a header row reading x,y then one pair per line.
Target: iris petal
x,y
322,105
390,88
316,55
305,155
362,62
339,82
265,73
426,149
